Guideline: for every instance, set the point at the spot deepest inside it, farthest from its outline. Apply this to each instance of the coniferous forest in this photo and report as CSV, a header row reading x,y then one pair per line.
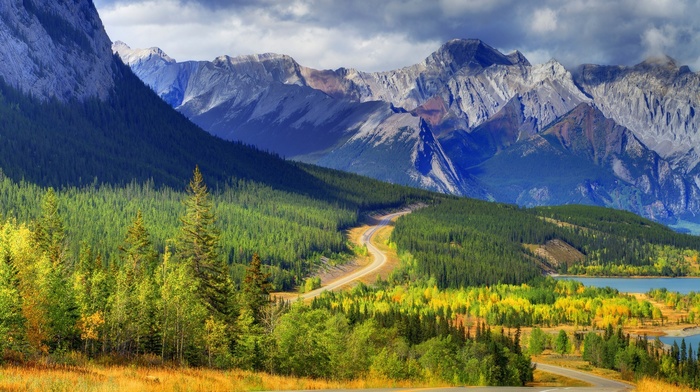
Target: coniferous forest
x,y
471,242
180,303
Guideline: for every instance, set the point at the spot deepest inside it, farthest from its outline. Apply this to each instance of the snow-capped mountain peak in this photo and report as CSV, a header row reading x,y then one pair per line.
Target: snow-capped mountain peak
x,y
131,56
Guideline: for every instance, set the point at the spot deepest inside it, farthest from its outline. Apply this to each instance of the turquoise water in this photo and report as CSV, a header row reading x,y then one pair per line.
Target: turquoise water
x,y
641,285
689,340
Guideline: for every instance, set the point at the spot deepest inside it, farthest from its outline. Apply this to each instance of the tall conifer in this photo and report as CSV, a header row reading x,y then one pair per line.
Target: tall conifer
x,y
198,246
256,288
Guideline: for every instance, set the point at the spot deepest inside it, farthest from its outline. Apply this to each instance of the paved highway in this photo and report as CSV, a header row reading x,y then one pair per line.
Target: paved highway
x,y
379,259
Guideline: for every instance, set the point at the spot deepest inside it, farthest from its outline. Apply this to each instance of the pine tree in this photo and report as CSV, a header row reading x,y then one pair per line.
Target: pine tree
x,y
50,239
137,250
50,233
140,260
561,344
198,247
256,288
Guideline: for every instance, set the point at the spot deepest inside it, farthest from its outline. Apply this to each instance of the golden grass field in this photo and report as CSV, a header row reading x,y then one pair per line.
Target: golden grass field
x,y
131,378
651,385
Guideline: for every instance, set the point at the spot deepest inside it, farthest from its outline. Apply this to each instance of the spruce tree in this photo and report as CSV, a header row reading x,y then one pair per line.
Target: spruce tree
x,y
256,288
198,247
50,233
137,250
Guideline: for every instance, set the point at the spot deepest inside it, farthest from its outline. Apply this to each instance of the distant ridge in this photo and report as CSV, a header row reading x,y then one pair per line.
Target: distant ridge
x,y
439,124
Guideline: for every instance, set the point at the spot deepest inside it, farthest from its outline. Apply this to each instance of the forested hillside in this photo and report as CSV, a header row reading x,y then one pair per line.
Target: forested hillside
x,y
130,294
470,242
290,231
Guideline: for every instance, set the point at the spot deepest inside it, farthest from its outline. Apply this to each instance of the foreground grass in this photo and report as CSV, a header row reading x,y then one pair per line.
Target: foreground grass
x,y
132,378
651,385
544,379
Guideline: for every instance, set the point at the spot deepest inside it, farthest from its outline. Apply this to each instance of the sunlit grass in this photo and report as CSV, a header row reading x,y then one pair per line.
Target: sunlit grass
x,y
544,379
132,378
652,385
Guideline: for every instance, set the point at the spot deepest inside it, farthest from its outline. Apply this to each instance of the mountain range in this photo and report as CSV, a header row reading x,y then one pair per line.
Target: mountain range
x,y
468,120
72,114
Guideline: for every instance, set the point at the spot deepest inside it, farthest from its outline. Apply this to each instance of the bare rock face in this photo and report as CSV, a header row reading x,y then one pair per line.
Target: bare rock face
x,y
656,99
55,49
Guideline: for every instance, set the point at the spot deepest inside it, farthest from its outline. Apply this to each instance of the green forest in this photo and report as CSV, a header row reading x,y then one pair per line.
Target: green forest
x,y
471,242
175,300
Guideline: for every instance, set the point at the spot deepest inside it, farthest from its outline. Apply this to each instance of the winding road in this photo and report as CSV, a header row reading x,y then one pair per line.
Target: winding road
x,y
379,258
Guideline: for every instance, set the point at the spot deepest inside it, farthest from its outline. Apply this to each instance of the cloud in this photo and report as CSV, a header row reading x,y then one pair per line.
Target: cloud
x,y
544,21
657,41
371,35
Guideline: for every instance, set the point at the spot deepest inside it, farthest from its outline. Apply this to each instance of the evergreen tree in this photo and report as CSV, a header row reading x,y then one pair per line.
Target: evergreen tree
x,y
49,234
256,288
561,344
49,237
198,247
137,249
140,260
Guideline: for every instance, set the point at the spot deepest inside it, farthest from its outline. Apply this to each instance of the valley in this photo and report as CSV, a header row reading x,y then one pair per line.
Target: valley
x,y
250,223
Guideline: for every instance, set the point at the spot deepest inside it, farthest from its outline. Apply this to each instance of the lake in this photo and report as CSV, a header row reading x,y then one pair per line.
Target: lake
x,y
689,341
640,285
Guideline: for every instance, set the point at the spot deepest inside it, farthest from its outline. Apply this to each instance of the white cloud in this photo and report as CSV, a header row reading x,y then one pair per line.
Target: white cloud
x,y
380,35
205,34
658,8
453,8
657,41
544,20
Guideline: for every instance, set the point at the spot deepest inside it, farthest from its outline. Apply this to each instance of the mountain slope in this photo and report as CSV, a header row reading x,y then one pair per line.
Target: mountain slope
x,y
439,124
88,119
656,99
324,117
585,158
55,50
264,100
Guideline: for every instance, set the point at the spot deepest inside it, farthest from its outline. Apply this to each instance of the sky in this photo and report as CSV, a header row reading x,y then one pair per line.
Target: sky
x,y
381,35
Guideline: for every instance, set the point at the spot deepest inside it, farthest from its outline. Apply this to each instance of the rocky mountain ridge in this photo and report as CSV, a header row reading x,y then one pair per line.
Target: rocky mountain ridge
x,y
438,124
55,49
656,99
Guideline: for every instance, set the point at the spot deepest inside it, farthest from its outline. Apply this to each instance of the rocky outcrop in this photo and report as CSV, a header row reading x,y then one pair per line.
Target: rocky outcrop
x,y
55,49
656,99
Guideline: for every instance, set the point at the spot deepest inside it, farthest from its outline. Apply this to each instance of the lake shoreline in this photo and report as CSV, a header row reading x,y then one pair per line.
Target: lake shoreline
x,y
565,276
630,285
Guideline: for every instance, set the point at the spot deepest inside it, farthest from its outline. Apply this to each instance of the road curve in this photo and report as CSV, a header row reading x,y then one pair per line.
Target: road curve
x,y
597,384
378,257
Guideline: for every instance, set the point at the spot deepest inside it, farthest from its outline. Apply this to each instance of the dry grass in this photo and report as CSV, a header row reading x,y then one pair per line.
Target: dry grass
x,y
131,378
652,385
577,363
544,379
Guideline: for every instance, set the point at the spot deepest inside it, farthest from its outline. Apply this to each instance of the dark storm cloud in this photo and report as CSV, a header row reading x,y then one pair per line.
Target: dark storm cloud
x,y
374,35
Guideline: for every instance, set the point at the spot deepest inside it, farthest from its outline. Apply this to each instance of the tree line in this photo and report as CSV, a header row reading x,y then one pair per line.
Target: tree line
x,y
638,357
471,242
181,306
